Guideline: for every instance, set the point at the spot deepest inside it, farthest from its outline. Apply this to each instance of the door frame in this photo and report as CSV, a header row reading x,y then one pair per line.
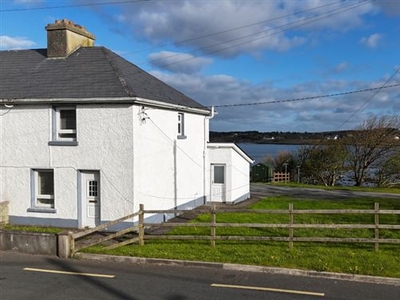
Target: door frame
x,y
223,185
81,206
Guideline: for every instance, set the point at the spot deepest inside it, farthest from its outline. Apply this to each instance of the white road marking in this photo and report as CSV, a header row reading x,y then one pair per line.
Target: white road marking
x,y
256,288
68,273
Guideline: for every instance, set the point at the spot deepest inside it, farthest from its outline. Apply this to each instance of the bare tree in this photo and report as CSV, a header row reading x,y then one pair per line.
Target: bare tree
x,y
283,161
371,144
389,173
323,163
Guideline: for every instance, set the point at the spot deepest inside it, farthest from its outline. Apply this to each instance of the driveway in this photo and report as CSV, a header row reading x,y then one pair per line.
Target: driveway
x,y
259,190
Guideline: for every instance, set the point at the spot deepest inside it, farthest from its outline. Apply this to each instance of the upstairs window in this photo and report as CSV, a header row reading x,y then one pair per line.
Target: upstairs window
x,y
64,126
181,126
66,121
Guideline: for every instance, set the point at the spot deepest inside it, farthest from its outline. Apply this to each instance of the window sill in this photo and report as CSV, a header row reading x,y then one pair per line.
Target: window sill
x,y
42,210
63,143
181,137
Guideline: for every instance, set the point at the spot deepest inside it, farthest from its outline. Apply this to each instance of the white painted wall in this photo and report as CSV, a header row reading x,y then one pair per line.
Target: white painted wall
x,y
139,161
105,142
138,153
237,170
169,172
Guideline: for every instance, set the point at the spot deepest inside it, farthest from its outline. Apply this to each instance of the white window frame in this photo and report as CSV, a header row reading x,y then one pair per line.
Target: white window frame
x,y
61,131
181,126
48,203
58,133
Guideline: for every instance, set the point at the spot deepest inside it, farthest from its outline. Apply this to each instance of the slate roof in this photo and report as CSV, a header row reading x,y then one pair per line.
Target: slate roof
x,y
88,73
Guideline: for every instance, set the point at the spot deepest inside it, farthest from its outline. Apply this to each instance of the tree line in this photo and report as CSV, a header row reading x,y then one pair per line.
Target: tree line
x,y
370,153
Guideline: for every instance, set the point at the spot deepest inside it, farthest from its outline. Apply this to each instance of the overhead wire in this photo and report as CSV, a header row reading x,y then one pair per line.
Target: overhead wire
x,y
309,97
377,90
324,15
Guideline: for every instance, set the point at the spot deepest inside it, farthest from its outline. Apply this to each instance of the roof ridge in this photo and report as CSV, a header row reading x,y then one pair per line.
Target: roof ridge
x,y
107,53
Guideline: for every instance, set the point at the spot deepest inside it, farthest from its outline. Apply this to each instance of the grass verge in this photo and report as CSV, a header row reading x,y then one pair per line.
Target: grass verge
x,y
344,258
36,229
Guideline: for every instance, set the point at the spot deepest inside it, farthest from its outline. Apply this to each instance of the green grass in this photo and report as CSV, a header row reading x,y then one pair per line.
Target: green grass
x,y
339,188
37,229
332,257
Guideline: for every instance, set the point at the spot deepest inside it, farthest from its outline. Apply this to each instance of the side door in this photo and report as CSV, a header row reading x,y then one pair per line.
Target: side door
x,y
218,183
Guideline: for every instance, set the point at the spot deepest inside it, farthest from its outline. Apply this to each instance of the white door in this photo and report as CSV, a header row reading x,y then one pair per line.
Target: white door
x,y
91,198
218,183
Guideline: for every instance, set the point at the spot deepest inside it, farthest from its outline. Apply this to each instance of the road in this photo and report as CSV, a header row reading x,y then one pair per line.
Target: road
x,y
262,190
42,277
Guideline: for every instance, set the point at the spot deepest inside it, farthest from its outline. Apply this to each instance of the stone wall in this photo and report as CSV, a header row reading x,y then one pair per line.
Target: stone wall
x,y
28,242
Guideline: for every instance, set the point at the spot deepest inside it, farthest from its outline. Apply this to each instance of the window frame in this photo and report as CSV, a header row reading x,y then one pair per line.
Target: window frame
x,y
181,126
36,206
57,131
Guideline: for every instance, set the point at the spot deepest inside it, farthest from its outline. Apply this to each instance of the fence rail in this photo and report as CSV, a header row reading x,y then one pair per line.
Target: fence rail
x,y
376,226
141,236
281,176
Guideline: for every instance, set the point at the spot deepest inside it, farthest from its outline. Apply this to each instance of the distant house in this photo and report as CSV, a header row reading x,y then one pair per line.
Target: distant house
x,y
86,136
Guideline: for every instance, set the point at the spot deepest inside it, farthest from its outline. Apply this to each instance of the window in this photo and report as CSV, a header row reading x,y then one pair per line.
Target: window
x,y
92,188
42,189
219,174
64,126
181,126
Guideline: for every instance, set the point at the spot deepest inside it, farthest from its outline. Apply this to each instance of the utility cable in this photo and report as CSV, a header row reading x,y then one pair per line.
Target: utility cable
x,y
309,97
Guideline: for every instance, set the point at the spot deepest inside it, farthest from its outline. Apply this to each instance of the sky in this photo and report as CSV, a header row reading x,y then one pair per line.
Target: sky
x,y
265,65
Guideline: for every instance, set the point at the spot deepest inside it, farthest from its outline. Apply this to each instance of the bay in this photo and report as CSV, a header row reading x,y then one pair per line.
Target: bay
x,y
259,151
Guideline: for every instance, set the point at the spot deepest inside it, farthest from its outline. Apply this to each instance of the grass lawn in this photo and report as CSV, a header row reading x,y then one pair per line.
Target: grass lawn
x,y
331,257
36,229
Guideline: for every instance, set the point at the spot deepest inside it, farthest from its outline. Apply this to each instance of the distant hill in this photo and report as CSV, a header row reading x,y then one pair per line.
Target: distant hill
x,y
274,137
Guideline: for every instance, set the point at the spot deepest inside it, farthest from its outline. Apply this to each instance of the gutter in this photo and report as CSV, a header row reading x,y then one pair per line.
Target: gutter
x,y
118,100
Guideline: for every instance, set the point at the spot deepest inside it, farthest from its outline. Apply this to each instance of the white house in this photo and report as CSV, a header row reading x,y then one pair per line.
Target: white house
x,y
86,136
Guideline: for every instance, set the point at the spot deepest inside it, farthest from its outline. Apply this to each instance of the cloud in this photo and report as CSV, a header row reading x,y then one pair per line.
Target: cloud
x,y
321,114
231,28
340,68
28,1
372,41
15,43
391,8
178,62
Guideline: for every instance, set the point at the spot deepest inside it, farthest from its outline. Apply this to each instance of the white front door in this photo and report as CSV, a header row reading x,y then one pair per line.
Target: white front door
x,y
90,191
218,183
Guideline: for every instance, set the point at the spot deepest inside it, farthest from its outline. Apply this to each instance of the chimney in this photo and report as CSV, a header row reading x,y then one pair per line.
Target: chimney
x,y
64,37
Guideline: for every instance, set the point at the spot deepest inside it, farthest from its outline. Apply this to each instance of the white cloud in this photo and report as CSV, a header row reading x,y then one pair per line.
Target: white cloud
x,y
343,66
15,43
28,1
178,62
390,7
230,28
372,41
320,114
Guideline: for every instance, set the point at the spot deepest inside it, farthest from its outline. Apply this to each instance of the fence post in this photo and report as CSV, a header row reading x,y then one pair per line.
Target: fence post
x,y
72,245
213,222
141,224
290,225
376,226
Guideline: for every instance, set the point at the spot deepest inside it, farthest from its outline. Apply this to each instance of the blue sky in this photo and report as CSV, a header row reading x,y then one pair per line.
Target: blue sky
x,y
256,57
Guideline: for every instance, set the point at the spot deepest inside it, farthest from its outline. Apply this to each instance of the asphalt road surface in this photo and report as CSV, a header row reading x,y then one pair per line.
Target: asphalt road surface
x,y
36,277
262,190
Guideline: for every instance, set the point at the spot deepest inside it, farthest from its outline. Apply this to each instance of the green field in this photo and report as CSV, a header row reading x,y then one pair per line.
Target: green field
x,y
331,257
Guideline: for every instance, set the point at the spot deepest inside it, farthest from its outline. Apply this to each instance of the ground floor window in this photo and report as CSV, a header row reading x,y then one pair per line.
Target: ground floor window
x,y
42,188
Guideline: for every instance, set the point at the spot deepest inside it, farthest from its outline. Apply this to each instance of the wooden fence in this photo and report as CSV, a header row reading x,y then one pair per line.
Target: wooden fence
x,y
281,176
213,225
